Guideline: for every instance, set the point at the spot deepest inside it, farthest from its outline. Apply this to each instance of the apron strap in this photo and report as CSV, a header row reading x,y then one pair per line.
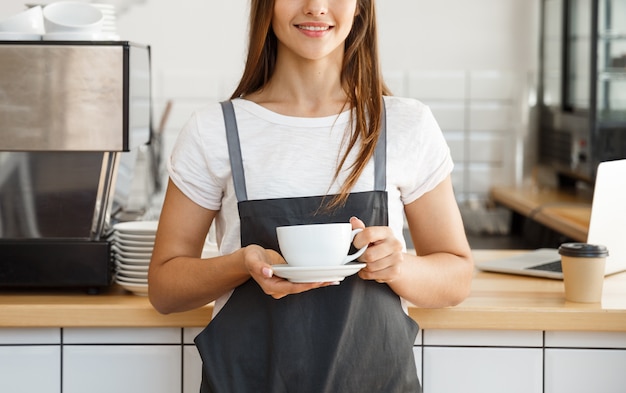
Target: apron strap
x,y
380,154
234,151
236,162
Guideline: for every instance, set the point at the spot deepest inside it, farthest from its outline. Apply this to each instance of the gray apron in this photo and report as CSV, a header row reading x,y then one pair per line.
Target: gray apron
x,y
354,337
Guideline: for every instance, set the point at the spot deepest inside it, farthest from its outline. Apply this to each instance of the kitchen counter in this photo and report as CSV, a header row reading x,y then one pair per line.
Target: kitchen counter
x,y
497,301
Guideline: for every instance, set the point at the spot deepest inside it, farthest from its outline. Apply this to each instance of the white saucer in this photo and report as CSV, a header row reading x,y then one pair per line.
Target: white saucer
x,y
125,249
135,243
123,237
145,228
128,275
142,268
317,273
137,289
131,280
132,261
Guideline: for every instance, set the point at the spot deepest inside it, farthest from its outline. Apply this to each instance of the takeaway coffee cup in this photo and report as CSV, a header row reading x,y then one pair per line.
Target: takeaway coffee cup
x,y
583,271
317,244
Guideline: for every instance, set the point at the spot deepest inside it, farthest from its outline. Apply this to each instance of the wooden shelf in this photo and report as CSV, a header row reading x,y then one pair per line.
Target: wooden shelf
x,y
565,212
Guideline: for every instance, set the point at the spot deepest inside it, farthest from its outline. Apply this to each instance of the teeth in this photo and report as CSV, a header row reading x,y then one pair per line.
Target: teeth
x,y
314,28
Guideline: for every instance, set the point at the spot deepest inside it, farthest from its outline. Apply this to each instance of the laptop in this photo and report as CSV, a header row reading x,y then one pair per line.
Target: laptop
x,y
607,227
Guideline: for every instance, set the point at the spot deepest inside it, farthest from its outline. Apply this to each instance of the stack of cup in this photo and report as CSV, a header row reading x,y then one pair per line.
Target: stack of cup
x,y
109,20
26,25
583,271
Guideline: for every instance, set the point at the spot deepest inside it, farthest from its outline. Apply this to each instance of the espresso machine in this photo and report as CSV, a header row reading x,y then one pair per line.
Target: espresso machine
x,y
73,116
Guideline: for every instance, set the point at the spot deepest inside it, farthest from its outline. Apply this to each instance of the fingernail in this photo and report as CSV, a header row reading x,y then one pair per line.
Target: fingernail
x,y
335,283
267,272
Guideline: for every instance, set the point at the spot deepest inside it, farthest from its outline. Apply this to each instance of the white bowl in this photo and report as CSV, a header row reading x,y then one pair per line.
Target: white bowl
x,y
29,21
72,17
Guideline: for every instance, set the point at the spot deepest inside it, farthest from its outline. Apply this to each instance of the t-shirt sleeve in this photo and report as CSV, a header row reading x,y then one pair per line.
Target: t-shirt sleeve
x,y
189,168
428,160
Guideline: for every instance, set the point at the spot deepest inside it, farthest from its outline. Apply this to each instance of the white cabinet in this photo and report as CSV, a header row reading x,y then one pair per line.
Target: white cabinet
x,y
25,353
192,369
585,370
511,370
585,362
30,368
122,360
192,364
121,369
482,361
165,360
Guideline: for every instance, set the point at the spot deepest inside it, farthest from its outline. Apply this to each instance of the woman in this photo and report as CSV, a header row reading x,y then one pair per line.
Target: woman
x,y
310,135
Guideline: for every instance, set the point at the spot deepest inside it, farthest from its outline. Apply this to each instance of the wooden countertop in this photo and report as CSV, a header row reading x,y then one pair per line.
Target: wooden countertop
x,y
568,213
497,301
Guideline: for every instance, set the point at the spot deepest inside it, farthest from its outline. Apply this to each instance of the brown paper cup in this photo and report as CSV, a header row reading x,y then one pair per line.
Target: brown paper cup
x,y
583,271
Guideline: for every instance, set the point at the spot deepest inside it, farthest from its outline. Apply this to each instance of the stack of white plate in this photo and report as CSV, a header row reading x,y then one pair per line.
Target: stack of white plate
x,y
109,20
132,249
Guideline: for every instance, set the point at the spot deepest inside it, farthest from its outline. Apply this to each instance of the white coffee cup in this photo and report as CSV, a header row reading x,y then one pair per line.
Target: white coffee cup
x,y
317,244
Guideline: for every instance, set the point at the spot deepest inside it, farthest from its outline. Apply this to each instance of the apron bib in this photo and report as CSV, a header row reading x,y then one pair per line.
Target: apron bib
x,y
354,337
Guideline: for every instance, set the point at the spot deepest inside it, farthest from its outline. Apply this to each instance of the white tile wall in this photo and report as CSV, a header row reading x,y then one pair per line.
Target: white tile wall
x,y
486,147
456,142
438,85
449,115
493,85
490,116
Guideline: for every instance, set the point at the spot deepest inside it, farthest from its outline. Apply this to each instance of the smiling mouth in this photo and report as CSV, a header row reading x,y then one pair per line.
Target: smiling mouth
x,y
313,28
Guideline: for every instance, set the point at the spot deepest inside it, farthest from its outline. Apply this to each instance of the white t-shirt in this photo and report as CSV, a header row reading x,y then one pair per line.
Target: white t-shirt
x,y
286,156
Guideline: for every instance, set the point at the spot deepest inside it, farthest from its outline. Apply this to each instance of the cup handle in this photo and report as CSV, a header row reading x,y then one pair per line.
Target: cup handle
x,y
360,252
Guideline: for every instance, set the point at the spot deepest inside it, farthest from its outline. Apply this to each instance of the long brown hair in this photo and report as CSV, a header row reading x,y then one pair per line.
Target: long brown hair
x,y
361,79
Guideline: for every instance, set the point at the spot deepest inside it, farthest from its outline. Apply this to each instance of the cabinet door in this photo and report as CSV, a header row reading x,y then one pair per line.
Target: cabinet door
x,y
26,369
585,370
122,368
192,369
482,370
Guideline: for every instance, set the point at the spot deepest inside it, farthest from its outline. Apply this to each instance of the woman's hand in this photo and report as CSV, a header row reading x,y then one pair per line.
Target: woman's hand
x,y
259,263
439,272
384,256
